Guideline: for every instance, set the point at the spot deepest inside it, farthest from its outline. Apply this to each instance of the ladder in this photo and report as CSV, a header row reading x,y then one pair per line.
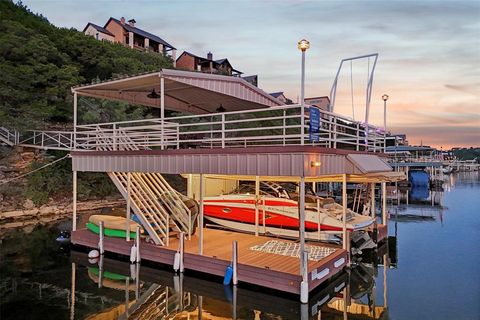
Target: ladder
x,y
159,207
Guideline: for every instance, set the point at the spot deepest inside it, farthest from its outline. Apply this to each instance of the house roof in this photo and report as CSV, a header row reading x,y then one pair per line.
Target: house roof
x,y
141,32
205,60
98,28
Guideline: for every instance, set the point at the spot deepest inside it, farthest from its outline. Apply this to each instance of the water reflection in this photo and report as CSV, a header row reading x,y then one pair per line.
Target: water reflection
x,y
152,293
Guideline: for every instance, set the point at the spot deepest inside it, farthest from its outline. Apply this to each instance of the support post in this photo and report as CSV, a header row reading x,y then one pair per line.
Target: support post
x,y
263,216
257,195
234,262
304,283
162,111
182,248
302,102
200,218
72,292
74,222
100,271
373,213
344,211
384,203
234,302
137,254
319,222
75,119
137,281
385,267
127,227
101,238
303,253
223,130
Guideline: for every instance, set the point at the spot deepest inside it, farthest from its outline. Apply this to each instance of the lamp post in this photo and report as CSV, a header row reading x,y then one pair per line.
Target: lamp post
x,y
302,45
385,98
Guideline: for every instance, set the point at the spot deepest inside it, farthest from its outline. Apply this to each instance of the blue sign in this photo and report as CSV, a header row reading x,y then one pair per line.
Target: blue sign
x,y
314,128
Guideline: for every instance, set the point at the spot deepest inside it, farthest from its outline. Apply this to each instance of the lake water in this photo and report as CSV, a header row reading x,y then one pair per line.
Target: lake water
x,y
433,273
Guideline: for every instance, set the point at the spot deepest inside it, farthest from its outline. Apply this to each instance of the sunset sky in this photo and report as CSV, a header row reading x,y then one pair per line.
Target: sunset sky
x,y
429,52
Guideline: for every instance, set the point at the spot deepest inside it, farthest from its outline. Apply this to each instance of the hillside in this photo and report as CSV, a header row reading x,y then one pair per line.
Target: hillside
x,y
40,62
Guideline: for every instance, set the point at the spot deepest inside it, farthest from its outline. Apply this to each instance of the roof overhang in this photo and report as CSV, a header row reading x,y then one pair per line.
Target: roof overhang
x,y
185,91
379,177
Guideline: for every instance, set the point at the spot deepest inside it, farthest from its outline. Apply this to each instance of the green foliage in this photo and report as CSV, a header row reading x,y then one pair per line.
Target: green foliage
x,y
46,182
467,154
56,180
40,63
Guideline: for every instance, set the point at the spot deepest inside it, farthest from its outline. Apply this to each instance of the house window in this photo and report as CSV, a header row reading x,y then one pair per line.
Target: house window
x,y
96,36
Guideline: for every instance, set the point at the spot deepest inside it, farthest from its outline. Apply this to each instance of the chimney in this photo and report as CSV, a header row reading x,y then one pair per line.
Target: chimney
x,y
122,20
209,56
132,22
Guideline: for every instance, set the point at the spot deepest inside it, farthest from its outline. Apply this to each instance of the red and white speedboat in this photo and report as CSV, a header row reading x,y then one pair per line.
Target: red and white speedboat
x,y
280,216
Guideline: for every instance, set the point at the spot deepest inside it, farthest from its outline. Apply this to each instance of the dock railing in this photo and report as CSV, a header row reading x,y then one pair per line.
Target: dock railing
x,y
276,126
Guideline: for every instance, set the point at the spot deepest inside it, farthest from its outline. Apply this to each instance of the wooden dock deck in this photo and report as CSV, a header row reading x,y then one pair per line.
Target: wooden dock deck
x,y
268,270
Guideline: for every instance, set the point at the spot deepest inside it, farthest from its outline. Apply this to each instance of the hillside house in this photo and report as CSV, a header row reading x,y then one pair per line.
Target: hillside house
x,y
189,61
129,35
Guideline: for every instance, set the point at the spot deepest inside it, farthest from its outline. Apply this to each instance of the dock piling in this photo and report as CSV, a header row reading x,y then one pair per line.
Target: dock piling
x,y
100,240
137,254
182,246
127,227
100,271
234,262
304,283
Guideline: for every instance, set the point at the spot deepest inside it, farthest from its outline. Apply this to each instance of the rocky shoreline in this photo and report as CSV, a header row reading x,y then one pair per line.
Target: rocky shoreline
x,y
27,219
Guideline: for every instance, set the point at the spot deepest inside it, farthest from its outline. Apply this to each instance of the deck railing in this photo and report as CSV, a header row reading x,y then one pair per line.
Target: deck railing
x,y
260,127
276,126
54,140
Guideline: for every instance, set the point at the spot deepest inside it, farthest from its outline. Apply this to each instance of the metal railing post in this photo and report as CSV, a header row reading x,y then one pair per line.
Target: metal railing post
x,y
223,130
114,136
358,137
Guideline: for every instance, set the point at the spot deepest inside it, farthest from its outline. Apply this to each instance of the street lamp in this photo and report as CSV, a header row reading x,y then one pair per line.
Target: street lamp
x,y
303,45
385,98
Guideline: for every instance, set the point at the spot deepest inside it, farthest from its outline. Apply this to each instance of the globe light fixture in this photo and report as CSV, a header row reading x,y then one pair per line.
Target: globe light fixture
x,y
303,45
385,97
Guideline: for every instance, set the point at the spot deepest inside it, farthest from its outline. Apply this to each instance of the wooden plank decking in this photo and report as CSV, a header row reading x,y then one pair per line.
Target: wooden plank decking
x,y
262,269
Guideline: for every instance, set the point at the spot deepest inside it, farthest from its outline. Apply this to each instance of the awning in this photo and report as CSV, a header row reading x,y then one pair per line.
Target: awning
x,y
367,163
185,91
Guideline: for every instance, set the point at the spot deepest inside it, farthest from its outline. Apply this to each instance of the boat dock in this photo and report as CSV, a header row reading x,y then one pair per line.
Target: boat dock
x,y
233,133
269,270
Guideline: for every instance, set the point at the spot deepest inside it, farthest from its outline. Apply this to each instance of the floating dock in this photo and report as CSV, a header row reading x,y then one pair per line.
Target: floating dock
x,y
269,270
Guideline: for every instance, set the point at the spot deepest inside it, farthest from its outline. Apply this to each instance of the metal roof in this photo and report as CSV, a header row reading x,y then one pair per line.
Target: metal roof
x,y
185,91
98,28
141,32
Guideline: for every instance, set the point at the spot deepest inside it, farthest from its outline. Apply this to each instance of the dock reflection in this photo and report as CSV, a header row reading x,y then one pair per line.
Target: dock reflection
x,y
151,293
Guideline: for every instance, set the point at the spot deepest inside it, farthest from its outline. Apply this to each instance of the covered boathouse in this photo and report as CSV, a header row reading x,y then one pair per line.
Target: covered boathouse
x,y
229,130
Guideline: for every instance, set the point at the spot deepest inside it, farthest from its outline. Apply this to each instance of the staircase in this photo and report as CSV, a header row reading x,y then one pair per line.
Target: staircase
x,y
159,207
8,137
